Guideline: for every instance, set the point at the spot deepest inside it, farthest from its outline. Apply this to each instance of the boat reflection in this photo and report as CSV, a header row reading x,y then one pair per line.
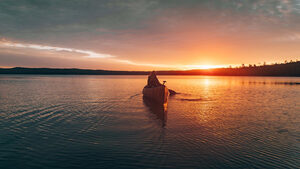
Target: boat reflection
x,y
160,110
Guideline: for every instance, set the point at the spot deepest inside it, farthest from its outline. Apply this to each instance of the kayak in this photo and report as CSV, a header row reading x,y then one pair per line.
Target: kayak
x,y
158,94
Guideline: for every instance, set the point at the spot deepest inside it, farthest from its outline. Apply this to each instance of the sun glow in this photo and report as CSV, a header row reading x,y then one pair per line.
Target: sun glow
x,y
187,67
94,55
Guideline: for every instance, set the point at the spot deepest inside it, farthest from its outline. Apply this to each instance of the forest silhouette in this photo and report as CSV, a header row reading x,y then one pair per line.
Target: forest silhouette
x,y
291,68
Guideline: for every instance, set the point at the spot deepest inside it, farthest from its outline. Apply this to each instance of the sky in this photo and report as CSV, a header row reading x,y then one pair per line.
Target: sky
x,y
147,34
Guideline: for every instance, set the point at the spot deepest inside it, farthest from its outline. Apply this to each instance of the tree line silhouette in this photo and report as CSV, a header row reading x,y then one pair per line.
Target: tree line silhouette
x,y
288,68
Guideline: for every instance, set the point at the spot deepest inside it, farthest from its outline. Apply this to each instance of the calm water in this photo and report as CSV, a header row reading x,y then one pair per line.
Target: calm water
x,y
103,122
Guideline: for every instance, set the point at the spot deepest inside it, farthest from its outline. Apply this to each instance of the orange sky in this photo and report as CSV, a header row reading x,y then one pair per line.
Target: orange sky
x,y
150,35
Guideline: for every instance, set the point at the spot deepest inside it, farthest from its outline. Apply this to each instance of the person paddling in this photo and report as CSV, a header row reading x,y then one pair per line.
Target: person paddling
x,y
153,80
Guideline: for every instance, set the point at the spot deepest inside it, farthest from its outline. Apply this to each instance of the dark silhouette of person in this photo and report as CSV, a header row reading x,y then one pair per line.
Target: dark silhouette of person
x,y
152,80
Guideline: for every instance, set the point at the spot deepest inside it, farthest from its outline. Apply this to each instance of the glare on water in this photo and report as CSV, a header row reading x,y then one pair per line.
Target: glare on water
x,y
104,122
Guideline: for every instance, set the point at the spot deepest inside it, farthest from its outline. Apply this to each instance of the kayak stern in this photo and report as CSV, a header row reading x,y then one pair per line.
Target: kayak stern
x,y
159,94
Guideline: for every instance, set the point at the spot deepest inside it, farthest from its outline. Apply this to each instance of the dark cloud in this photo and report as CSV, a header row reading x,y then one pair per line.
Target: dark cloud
x,y
143,29
37,18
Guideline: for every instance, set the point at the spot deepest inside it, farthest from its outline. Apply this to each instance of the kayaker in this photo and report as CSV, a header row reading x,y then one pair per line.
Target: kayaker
x,y
152,80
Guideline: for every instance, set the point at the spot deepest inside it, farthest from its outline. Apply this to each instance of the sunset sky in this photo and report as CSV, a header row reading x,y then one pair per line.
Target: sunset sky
x,y
147,34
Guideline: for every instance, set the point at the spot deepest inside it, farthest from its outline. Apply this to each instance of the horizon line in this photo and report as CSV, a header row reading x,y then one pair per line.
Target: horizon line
x,y
216,67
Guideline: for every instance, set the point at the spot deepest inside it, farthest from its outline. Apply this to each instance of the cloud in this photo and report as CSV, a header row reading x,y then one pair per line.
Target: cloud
x,y
291,37
23,57
86,53
151,33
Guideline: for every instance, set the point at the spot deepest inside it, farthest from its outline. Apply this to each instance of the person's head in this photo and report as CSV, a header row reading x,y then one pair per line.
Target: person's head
x,y
152,73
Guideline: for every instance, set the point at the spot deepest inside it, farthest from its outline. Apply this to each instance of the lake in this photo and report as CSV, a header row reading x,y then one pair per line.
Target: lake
x,y
103,122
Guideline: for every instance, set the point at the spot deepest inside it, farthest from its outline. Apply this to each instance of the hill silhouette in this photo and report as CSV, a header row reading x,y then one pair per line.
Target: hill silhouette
x,y
283,69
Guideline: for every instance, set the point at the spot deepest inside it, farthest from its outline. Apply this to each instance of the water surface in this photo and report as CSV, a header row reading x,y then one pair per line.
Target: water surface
x,y
103,122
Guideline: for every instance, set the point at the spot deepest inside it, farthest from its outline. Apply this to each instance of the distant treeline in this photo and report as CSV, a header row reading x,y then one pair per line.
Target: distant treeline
x,y
54,71
283,69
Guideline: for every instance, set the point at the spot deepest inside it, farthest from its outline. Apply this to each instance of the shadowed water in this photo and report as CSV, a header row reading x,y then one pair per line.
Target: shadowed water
x,y
104,122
